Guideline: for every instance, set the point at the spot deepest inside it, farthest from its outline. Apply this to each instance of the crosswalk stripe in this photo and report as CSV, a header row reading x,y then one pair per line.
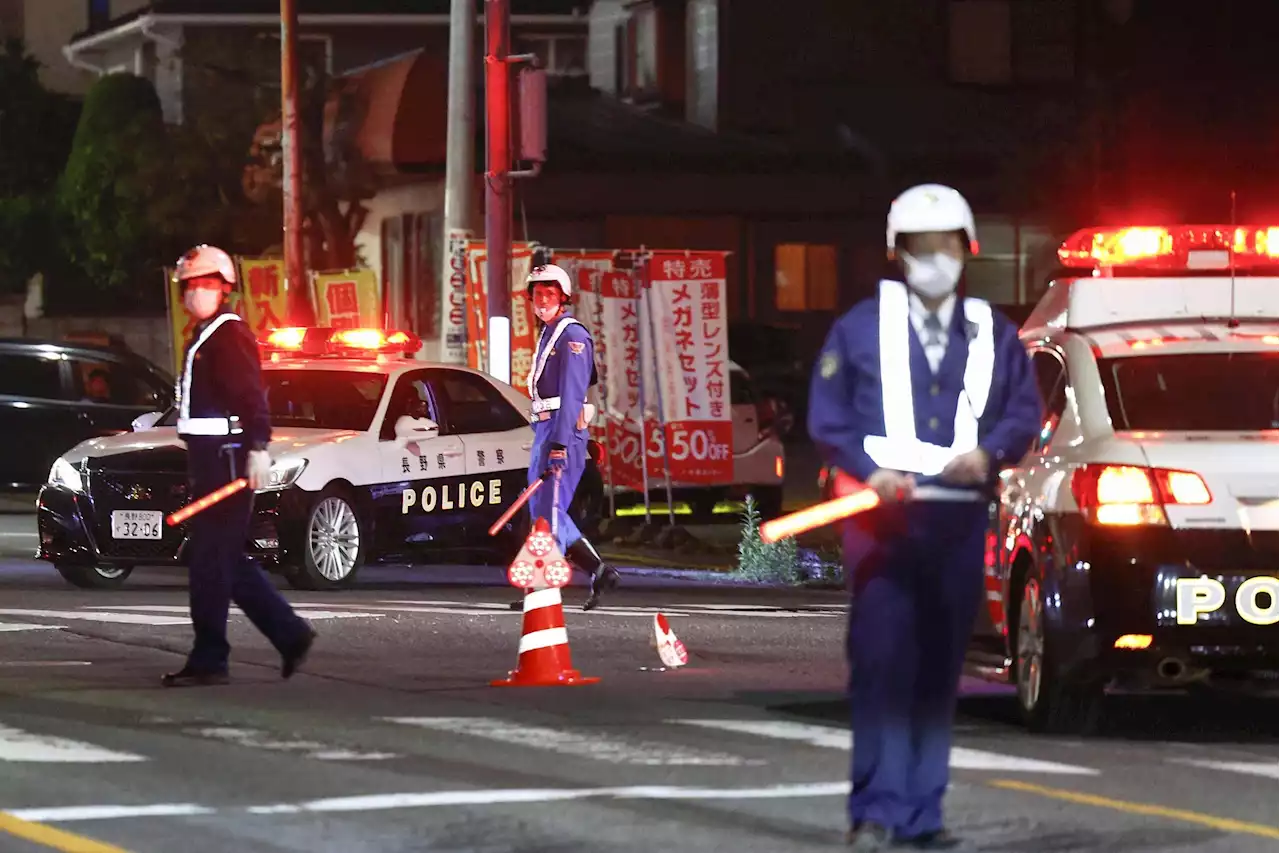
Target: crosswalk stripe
x,y
92,616
1267,769
827,737
182,608
8,627
592,745
17,745
260,740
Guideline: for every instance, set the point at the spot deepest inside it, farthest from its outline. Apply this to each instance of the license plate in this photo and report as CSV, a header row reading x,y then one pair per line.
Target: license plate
x,y
136,524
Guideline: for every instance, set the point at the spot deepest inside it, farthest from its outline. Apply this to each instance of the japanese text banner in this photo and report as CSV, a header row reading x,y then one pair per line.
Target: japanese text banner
x,y
347,300
523,330
266,302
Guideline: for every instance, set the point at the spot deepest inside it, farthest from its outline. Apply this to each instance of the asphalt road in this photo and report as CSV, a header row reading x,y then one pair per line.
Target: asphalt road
x,y
392,739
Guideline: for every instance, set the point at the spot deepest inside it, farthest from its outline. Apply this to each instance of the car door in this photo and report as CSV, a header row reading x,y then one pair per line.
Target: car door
x,y
112,392
497,439
37,417
417,500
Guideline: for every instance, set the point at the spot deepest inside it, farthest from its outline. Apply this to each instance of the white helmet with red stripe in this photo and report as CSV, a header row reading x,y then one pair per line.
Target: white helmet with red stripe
x,y
205,260
930,207
549,274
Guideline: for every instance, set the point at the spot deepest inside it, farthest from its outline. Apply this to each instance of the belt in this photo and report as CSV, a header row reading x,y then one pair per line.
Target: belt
x,y
549,404
945,494
209,426
540,416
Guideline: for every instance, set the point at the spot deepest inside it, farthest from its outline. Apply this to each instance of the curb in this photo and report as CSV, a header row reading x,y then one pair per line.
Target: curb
x,y
664,562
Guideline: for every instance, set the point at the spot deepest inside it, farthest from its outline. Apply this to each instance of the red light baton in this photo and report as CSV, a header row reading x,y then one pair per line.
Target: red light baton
x,y
520,501
207,501
818,515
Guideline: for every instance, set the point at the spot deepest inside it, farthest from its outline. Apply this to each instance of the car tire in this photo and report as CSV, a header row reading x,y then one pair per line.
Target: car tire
x,y
94,576
333,543
1048,702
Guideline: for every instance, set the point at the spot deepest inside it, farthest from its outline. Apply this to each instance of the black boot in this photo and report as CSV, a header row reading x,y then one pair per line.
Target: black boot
x,y
603,576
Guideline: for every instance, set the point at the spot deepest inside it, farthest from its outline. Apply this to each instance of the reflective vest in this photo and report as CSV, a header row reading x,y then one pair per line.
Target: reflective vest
x,y
540,356
899,449
188,425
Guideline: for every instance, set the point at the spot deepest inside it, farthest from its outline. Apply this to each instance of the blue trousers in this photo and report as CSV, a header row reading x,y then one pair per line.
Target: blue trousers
x,y
219,571
916,580
544,501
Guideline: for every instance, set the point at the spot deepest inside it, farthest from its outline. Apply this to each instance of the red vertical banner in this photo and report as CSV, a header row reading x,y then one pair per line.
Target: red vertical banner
x,y
686,296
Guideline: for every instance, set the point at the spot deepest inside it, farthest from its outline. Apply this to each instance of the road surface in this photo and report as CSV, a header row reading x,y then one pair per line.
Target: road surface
x,y
392,739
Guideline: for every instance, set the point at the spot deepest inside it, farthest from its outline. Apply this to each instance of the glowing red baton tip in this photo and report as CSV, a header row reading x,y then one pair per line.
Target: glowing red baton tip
x,y
515,507
207,501
818,515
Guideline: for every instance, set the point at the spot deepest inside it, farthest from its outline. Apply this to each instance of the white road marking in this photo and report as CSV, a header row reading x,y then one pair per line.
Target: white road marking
x,y
18,745
8,627
46,662
92,616
182,608
259,740
66,814
593,745
827,737
1267,769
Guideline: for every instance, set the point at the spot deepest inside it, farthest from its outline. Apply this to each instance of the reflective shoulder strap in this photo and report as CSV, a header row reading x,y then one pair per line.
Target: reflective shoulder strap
x,y
184,392
978,368
544,354
895,362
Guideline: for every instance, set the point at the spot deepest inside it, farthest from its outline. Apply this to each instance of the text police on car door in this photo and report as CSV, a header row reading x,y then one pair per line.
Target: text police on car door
x,y
453,496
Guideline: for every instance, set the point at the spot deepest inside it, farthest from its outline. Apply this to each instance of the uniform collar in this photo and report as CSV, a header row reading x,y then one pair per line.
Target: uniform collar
x,y
918,312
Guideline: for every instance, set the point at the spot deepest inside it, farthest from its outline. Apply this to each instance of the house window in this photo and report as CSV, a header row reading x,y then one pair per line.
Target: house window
x,y
1003,42
562,55
638,39
805,277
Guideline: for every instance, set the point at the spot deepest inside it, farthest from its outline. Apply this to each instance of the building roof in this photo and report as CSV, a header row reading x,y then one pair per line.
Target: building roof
x,y
364,8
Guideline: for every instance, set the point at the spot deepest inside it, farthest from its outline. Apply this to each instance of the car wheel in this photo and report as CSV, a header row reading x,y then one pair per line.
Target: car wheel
x,y
333,544
95,576
1048,703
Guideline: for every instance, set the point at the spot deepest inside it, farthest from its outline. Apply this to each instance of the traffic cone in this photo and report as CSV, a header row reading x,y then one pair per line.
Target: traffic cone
x,y
670,649
544,659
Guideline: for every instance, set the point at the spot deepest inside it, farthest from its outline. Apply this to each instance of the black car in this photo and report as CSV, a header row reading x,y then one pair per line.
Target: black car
x,y
55,394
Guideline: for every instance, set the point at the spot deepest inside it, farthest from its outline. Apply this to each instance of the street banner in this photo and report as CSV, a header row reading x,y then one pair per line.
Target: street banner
x,y
523,328
453,302
267,299
181,323
347,299
685,292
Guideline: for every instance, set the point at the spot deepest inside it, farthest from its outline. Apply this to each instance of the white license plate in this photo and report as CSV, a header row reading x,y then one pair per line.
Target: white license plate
x,y
136,524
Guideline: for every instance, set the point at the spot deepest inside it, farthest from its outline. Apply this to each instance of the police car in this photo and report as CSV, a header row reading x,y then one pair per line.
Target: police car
x,y
1135,548
376,457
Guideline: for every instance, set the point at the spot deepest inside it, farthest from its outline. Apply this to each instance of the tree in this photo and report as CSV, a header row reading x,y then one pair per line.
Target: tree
x,y
36,127
121,199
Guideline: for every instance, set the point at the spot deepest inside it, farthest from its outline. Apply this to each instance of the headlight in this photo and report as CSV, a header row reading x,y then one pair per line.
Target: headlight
x,y
64,474
283,474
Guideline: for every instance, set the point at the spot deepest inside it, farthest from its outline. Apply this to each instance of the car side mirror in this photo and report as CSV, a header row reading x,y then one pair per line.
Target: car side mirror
x,y
415,429
145,422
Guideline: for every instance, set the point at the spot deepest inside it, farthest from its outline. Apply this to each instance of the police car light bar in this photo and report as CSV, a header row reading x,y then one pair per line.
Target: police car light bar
x,y
319,340
374,341
1179,247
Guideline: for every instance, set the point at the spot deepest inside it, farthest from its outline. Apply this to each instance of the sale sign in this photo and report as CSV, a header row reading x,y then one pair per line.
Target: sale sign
x,y
266,295
686,294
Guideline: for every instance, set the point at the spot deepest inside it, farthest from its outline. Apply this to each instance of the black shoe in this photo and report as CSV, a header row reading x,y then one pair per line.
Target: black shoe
x,y
188,677
603,577
939,839
869,837
292,659
517,605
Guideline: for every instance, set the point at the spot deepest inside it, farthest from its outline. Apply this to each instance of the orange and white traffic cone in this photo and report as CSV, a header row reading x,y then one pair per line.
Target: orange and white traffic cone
x,y
544,661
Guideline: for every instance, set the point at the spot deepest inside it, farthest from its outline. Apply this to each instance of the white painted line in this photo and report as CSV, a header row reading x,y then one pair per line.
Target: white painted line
x,y
828,737
10,627
381,802
593,745
66,814
91,616
255,739
46,663
17,745
25,534
177,608
1266,769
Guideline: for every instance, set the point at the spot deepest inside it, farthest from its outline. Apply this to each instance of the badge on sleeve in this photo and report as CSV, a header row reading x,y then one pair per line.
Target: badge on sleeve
x,y
577,347
830,364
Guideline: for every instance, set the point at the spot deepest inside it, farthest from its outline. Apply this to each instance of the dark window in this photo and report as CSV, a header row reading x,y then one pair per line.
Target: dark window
x,y
1051,379
30,376
323,399
112,383
414,396
740,390
473,405
1201,392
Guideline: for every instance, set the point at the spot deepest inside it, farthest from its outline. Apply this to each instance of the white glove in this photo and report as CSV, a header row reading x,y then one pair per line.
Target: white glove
x,y
258,468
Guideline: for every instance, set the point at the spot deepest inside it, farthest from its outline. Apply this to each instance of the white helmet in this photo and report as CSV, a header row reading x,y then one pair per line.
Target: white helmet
x,y
930,207
549,274
206,260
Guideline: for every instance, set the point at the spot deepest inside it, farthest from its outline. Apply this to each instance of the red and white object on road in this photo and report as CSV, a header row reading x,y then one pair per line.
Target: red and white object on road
x,y
670,649
540,570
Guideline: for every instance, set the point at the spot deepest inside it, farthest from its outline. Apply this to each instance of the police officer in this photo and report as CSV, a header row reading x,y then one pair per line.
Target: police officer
x,y
563,369
922,396
224,420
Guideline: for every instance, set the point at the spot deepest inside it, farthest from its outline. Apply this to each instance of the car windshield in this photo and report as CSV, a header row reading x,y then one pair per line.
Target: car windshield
x,y
323,399
1196,392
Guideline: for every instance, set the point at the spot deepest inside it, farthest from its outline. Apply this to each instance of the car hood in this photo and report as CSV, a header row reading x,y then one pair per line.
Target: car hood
x,y
160,449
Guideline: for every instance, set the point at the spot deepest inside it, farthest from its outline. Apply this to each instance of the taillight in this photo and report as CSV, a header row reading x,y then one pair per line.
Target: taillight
x,y
1128,495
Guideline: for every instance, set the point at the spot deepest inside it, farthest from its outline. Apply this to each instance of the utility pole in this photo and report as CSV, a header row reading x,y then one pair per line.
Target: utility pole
x,y
497,214
294,258
459,173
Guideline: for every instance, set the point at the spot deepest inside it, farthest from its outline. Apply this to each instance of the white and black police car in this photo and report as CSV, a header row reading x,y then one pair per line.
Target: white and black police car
x,y
376,457
1135,547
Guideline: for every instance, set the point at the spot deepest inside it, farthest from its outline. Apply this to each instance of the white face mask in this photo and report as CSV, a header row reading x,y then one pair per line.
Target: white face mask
x,y
933,276
202,302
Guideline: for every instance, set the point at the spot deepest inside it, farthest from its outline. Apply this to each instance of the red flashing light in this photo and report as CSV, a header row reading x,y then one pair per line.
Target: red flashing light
x,y
289,338
375,340
317,341
1179,247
